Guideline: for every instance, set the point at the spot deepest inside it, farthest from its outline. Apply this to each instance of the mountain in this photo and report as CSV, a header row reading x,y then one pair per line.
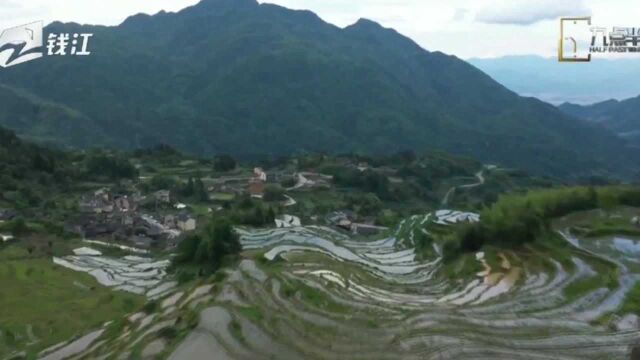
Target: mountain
x,y
28,171
556,82
235,76
621,117
45,121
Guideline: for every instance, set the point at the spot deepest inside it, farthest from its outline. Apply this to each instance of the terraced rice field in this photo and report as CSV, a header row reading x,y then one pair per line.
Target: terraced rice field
x,y
313,293
140,275
323,295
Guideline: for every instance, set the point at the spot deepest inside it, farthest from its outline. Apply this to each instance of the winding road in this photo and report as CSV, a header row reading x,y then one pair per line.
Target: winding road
x,y
479,175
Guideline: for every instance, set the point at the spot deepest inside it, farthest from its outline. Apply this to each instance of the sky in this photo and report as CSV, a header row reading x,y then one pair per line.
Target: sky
x,y
465,28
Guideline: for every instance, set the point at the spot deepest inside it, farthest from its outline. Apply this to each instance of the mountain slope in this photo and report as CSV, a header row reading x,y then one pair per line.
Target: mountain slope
x,y
29,171
45,121
238,77
620,117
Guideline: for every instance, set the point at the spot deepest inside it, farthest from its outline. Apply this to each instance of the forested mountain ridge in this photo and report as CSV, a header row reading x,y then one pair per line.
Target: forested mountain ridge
x,y
235,76
620,117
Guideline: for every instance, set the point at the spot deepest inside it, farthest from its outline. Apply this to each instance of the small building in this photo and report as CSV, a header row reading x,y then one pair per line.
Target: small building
x,y
95,205
170,222
127,219
259,174
123,203
162,196
636,221
256,189
186,222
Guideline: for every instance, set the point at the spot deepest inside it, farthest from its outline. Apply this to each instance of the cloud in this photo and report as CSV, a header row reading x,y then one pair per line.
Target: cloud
x,y
530,11
13,12
460,14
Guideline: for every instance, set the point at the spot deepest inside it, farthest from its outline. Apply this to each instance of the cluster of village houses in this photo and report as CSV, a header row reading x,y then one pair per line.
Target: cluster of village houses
x,y
110,216
107,215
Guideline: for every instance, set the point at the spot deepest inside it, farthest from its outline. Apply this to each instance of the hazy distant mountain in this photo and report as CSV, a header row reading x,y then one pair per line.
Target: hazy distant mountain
x,y
555,82
621,117
237,77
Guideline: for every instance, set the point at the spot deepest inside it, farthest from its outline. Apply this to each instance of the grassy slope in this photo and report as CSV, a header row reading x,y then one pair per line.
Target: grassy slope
x,y
56,302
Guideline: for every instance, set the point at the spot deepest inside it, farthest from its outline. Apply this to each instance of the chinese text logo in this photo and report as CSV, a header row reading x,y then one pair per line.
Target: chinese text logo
x,y
77,44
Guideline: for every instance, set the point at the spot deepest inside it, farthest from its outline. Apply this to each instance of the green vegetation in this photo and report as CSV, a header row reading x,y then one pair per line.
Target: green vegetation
x,y
632,301
113,167
604,226
247,211
253,313
29,172
273,193
606,276
620,115
319,299
45,302
205,251
194,190
399,185
516,220
33,177
224,163
361,88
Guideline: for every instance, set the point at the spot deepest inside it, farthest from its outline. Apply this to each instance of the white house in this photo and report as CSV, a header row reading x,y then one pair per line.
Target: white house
x,y
258,173
186,222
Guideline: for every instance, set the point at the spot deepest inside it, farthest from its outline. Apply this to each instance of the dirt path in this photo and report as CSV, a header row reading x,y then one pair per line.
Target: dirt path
x,y
302,181
479,175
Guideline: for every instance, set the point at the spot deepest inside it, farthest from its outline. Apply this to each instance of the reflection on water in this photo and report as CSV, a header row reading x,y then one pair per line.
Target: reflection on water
x,y
627,246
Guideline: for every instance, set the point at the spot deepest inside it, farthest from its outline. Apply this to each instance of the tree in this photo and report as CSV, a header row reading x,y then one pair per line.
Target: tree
x,y
365,204
17,227
199,190
161,182
209,248
273,193
224,163
187,249
188,189
271,216
100,164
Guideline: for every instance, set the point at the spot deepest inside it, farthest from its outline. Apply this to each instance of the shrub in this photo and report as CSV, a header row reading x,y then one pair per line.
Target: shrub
x,y
515,220
150,307
224,163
